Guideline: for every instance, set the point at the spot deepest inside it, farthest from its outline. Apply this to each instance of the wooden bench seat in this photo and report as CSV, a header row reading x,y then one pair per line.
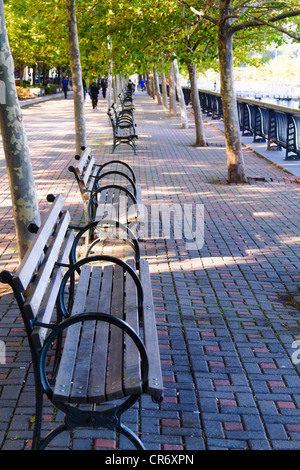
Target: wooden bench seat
x,y
98,315
81,377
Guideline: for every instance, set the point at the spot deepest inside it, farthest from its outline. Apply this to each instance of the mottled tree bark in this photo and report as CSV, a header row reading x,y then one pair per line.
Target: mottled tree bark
x,y
109,89
200,133
235,159
157,93
115,88
150,84
172,93
80,130
183,112
164,90
17,154
21,73
109,77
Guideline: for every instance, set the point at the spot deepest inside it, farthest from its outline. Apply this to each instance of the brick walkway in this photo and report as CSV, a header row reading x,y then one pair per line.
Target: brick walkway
x,y
226,313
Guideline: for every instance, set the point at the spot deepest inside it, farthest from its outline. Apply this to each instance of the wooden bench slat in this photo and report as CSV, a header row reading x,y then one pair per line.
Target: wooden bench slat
x,y
64,378
97,383
114,381
123,207
155,386
105,209
88,170
132,383
140,209
115,204
48,303
92,180
26,269
84,159
40,285
83,362
136,211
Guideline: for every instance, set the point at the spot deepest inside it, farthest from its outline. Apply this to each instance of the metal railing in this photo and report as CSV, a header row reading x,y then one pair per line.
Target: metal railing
x,y
278,126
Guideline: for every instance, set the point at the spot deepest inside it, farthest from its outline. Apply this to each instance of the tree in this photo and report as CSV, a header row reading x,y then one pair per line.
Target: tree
x,y
233,17
17,155
183,111
80,130
195,46
199,126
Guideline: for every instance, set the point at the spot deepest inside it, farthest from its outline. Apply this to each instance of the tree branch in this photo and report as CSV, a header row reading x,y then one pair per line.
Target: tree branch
x,y
267,22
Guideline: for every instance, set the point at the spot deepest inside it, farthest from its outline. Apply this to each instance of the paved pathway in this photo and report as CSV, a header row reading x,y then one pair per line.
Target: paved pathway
x,y
226,313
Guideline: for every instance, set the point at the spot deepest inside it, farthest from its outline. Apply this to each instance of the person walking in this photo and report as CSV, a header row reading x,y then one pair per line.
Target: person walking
x,y
65,84
103,84
94,91
142,83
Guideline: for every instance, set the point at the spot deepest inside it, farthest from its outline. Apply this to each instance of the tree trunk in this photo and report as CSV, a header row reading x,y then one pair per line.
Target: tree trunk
x,y
157,93
115,88
183,112
80,131
150,84
172,93
109,89
21,73
45,70
234,153
109,76
22,186
33,74
200,133
58,78
164,90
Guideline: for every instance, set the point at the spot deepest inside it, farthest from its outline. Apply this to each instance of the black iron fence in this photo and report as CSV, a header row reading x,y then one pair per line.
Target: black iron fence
x,y
276,125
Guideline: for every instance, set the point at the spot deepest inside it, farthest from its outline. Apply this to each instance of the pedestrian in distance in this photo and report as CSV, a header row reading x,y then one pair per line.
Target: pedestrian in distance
x,y
65,84
94,92
103,84
142,83
131,86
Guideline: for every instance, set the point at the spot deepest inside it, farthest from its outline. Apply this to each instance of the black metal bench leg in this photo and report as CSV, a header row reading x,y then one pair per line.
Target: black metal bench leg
x,y
131,436
115,144
51,435
38,407
132,145
37,423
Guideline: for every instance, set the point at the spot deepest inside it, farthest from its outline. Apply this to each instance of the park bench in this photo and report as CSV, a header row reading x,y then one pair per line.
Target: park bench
x,y
94,320
124,130
121,202
124,116
126,99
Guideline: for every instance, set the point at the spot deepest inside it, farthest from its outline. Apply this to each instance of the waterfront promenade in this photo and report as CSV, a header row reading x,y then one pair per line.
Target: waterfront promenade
x,y
227,313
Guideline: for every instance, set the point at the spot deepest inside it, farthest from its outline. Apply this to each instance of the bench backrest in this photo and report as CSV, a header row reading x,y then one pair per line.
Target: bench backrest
x,y
84,168
37,280
114,108
113,119
88,174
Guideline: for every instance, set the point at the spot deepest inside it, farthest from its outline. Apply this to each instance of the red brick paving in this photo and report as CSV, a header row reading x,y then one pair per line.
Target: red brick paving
x,y
225,330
